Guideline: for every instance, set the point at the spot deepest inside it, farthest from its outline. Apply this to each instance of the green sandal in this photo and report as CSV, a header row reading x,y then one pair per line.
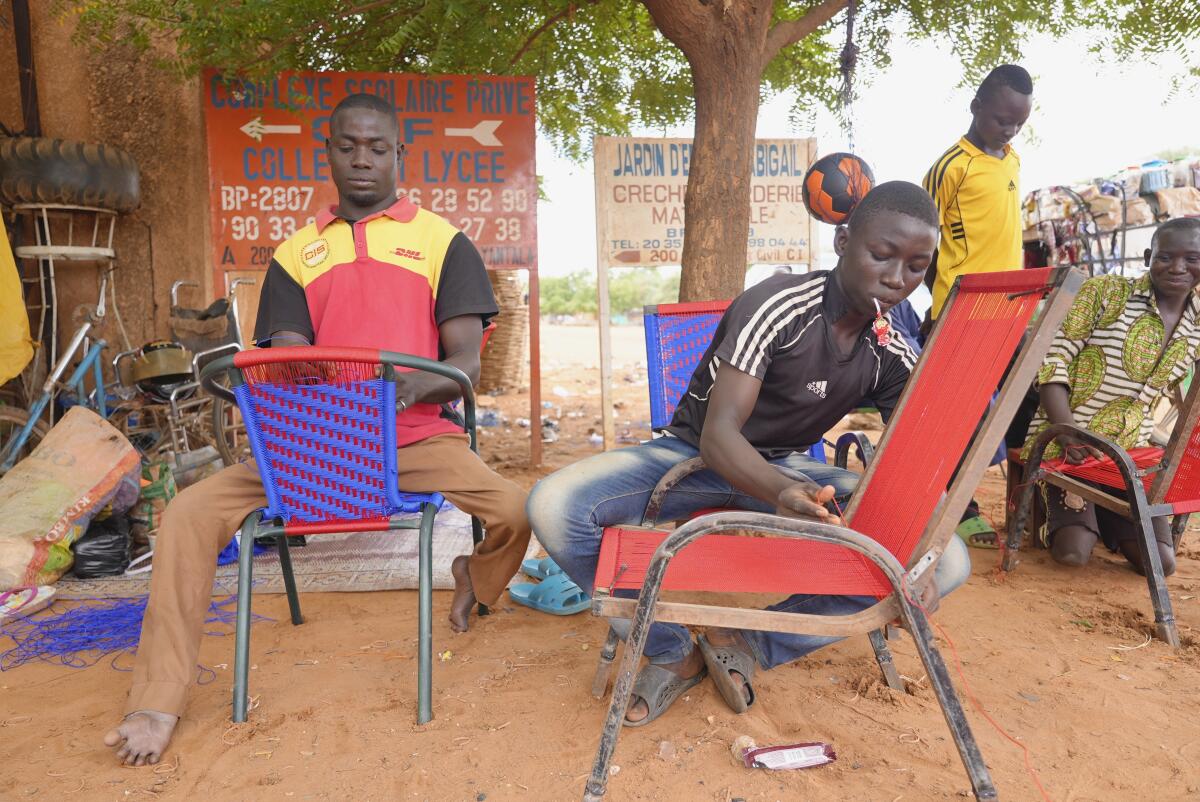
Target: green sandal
x,y
978,533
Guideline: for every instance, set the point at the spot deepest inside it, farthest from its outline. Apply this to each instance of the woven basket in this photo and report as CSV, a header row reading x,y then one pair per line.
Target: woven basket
x,y
504,365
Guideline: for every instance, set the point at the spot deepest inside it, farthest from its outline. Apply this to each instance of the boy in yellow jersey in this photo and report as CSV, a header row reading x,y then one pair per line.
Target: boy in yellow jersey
x,y
976,185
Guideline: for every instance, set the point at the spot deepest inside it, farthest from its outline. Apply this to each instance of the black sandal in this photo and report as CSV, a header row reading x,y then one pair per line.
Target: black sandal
x,y
720,661
659,688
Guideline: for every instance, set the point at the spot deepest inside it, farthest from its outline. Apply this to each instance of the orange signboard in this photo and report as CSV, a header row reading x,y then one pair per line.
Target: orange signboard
x,y
470,158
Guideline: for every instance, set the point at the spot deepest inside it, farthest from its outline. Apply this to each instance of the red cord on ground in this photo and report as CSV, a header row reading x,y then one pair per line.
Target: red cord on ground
x,y
967,686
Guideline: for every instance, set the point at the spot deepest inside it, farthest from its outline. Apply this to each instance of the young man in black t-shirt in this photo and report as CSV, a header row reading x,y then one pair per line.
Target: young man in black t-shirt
x,y
790,358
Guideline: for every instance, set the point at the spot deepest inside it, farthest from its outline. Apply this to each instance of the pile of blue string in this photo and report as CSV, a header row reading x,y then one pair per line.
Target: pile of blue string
x,y
84,635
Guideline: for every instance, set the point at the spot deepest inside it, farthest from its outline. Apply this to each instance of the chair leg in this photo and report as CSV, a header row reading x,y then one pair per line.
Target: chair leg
x,y
477,538
604,666
1017,521
943,688
1178,527
1164,615
883,656
241,648
289,580
635,645
425,617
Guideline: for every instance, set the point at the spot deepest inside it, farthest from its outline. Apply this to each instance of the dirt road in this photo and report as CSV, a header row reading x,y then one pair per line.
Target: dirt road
x,y
1058,658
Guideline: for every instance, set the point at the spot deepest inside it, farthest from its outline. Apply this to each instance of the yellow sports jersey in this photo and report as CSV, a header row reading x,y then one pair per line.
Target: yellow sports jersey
x,y
979,205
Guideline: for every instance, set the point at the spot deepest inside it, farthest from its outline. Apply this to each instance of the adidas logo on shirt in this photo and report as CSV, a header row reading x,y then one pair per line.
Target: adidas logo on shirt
x,y
818,388
1012,187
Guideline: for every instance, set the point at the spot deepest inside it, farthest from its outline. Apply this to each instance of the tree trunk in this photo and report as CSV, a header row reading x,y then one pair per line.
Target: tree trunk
x,y
728,44
717,204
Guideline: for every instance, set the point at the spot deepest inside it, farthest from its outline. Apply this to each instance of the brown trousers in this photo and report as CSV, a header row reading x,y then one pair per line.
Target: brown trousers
x,y
202,519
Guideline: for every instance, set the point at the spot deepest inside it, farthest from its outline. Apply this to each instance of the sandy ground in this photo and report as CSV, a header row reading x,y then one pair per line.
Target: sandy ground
x,y
1049,654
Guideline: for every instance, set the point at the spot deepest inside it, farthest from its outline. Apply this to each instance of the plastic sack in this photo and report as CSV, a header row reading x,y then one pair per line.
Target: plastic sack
x,y
157,489
104,550
48,499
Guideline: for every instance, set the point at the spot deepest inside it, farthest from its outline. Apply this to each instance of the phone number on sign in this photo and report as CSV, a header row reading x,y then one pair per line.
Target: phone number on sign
x,y
276,229
473,211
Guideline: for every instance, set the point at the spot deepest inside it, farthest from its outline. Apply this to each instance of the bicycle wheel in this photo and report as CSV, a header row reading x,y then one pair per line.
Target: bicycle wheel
x,y
12,420
229,433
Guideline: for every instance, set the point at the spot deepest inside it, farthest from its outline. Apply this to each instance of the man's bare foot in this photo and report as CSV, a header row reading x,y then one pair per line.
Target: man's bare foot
x,y
142,737
464,594
689,666
735,639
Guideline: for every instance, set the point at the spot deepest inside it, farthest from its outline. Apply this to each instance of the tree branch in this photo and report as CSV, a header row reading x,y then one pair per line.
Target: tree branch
x,y
545,26
303,33
792,31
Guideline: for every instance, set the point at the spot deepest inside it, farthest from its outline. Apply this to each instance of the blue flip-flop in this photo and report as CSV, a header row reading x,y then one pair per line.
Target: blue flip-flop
x,y
557,595
540,569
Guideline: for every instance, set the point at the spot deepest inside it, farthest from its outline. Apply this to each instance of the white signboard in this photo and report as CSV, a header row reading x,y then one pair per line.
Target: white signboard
x,y
640,186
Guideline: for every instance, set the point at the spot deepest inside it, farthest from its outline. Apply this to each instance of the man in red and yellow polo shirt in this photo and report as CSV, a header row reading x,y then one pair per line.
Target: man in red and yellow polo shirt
x,y
375,272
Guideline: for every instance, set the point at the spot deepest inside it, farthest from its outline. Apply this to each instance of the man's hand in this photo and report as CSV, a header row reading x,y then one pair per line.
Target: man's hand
x,y
806,500
1076,451
409,388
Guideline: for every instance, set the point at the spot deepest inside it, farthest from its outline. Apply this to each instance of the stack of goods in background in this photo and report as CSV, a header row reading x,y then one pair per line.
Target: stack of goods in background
x,y
504,366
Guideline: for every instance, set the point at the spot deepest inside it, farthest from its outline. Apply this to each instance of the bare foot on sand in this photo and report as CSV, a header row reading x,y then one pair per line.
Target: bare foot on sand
x,y
464,594
688,667
142,737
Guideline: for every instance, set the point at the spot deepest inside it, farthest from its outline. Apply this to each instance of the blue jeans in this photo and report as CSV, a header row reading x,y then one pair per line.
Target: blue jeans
x,y
570,508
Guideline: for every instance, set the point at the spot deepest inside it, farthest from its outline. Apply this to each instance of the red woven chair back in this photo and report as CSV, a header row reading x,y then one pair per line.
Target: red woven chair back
x,y
922,448
1183,492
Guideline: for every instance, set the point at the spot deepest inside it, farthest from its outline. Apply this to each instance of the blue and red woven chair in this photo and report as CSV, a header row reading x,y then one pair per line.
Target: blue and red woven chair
x,y
322,428
677,335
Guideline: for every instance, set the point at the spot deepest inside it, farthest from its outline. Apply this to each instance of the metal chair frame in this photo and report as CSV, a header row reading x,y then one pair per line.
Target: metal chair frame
x,y
1141,509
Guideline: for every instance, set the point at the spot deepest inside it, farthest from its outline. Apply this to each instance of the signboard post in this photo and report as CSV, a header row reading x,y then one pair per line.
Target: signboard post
x,y
470,158
640,187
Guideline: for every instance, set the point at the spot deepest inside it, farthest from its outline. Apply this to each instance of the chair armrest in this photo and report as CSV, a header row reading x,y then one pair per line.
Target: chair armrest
x,y
857,440
206,356
213,371
751,524
399,360
685,469
1107,447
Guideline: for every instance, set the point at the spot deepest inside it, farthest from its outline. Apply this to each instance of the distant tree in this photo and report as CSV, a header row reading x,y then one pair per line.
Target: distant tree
x,y
603,66
629,290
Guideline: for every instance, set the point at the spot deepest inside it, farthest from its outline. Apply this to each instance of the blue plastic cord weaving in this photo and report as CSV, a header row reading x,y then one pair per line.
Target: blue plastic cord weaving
x,y
83,635
327,452
675,344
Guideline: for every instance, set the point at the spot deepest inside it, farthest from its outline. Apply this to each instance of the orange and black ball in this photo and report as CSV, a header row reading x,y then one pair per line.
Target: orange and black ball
x,y
834,185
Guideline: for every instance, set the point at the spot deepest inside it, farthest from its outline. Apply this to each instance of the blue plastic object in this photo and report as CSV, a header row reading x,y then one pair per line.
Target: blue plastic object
x,y
327,451
557,595
540,569
675,344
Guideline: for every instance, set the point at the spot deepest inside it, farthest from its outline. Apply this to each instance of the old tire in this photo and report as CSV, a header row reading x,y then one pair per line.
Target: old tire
x,y
58,171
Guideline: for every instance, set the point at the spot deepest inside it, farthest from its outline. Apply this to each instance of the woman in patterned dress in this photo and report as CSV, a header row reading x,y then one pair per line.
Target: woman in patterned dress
x,y
1125,342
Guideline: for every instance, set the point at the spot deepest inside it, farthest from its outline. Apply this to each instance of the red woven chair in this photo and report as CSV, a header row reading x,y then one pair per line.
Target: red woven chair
x,y
1161,482
898,521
